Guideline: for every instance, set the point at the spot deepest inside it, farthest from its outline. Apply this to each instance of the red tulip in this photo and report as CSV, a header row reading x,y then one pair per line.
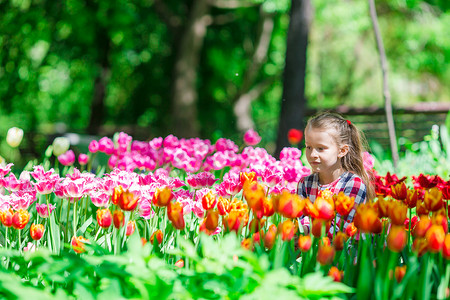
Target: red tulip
x,y
158,235
131,227
162,196
104,218
20,219
37,231
270,236
118,219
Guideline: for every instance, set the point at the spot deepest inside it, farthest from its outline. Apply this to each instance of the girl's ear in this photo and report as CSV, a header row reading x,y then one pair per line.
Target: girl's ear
x,y
343,151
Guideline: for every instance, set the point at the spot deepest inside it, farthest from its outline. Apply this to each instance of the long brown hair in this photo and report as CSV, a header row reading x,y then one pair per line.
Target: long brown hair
x,y
346,133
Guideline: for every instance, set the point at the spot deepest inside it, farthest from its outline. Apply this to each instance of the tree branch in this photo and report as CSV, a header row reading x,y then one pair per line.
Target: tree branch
x,y
231,4
166,15
386,93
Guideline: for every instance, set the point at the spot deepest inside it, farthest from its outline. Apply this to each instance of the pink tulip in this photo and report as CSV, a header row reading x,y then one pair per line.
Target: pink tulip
x,y
42,209
251,137
106,145
93,146
67,159
83,159
5,169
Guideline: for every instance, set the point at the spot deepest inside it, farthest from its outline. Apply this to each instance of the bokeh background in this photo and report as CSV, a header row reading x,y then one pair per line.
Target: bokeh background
x,y
211,69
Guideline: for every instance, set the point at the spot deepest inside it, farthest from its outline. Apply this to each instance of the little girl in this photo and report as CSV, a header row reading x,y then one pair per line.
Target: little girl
x,y
335,152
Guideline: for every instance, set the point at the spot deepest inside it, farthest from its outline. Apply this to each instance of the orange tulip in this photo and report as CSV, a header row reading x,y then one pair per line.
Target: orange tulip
x,y
179,263
397,238
400,272
446,247
422,226
131,227
78,244
325,207
158,235
223,205
440,219
366,218
268,208
287,229
304,243
411,198
433,199
6,217
118,219
351,230
128,201
343,203
420,246
254,194
20,219
435,237
104,218
399,191
246,178
247,244
175,215
256,224
325,254
212,219
209,201
237,204
397,213
118,190
339,239
37,231
162,196
336,274
383,206
317,225
288,205
421,209
256,238
270,236
236,219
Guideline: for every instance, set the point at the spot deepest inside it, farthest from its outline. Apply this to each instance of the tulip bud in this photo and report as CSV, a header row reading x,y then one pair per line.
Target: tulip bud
x,y
175,215
223,205
397,238
104,218
212,219
339,239
433,199
343,203
304,243
78,244
117,192
179,263
247,244
422,226
251,137
400,272
435,237
335,274
83,159
446,247
162,197
14,137
209,201
287,229
420,246
37,231
131,227
325,254
128,201
118,219
60,145
351,230
93,146
270,236
294,136
158,235
20,219
6,217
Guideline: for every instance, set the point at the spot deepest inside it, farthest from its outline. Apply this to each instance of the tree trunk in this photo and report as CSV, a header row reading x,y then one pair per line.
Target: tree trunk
x,y
293,102
100,84
184,97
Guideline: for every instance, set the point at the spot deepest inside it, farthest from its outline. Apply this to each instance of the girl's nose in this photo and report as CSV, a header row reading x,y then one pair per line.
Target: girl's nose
x,y
314,153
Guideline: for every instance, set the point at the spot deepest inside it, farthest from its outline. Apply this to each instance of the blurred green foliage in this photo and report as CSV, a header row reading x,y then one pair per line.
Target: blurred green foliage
x,y
51,53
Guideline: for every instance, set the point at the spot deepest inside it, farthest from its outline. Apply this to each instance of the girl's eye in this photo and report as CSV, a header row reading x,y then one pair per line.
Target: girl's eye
x,y
320,149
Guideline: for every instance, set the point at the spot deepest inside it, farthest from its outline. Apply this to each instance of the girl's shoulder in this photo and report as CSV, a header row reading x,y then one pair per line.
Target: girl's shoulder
x,y
308,179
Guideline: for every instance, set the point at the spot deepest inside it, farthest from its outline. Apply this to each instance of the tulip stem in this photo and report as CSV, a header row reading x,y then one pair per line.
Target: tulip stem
x,y
67,221
86,209
74,221
6,237
50,224
20,241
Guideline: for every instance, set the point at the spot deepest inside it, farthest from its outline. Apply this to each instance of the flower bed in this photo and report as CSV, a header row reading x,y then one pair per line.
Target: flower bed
x,y
186,204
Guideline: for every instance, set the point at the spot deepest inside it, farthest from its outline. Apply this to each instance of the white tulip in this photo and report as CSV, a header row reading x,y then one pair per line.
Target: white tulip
x,y
14,137
60,145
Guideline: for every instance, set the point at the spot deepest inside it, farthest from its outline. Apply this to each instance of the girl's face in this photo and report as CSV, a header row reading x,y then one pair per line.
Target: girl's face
x,y
322,151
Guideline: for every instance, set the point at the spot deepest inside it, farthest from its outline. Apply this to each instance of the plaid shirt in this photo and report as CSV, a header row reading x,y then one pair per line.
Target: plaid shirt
x,y
349,183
